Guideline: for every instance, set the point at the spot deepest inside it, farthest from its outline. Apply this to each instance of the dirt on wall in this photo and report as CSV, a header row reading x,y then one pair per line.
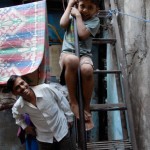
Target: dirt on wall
x,y
135,25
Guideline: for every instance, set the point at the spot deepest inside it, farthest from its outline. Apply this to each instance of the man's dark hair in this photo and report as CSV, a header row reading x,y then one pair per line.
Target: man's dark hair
x,y
11,81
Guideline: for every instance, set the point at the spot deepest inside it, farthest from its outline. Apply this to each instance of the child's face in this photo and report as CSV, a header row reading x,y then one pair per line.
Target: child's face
x,y
87,9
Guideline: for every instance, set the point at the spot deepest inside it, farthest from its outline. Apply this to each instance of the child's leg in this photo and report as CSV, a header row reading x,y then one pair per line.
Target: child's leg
x,y
71,62
87,80
87,84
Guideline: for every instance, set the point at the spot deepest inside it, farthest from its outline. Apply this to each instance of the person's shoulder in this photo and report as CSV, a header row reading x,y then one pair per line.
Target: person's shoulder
x,y
93,22
19,102
40,86
94,18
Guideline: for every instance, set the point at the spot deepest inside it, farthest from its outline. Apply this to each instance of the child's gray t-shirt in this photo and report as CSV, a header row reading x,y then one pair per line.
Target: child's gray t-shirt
x,y
85,46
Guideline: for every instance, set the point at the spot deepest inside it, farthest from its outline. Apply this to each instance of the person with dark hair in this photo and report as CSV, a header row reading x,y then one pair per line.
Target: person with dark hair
x,y
48,110
87,26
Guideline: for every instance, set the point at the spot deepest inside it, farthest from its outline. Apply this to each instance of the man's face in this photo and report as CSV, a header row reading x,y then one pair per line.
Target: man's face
x,y
21,88
87,9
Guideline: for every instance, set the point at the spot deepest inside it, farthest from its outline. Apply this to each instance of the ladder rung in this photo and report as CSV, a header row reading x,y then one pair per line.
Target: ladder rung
x,y
107,107
103,14
109,145
107,71
103,41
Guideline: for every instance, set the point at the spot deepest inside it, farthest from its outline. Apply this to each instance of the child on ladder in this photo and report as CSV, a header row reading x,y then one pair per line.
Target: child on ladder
x,y
87,27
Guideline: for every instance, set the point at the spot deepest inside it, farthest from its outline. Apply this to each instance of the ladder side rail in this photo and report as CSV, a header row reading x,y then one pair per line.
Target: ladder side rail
x,y
124,78
120,96
118,82
111,35
81,134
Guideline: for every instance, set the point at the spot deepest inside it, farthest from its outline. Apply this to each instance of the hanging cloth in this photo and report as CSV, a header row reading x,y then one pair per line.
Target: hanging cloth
x,y
23,40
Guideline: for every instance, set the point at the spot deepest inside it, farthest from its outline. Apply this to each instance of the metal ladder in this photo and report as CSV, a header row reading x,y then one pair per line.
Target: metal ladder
x,y
124,106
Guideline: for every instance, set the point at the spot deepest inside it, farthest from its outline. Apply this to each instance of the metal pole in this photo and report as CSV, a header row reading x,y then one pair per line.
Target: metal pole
x,y
81,122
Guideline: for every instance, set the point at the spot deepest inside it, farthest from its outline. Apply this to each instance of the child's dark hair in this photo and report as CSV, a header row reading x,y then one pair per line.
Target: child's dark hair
x,y
10,82
96,2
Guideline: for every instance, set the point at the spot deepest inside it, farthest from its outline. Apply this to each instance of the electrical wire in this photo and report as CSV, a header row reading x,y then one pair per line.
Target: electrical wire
x,y
55,31
63,2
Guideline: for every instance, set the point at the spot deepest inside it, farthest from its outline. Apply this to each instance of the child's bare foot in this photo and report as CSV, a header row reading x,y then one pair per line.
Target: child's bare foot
x,y
75,110
87,115
89,124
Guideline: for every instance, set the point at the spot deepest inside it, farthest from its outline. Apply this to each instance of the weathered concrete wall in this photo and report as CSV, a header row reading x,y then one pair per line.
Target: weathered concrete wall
x,y
8,128
136,37
8,132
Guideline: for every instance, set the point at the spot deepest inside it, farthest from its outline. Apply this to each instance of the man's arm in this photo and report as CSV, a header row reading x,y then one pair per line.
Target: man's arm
x,y
18,116
20,120
30,130
63,103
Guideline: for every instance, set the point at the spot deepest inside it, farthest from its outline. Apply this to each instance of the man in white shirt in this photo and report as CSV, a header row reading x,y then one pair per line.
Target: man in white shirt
x,y
48,109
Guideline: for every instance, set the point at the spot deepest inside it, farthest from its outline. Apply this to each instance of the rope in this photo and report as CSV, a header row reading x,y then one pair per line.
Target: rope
x,y
115,11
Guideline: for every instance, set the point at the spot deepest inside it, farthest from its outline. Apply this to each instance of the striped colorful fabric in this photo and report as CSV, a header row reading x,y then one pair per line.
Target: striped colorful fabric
x,y
23,40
